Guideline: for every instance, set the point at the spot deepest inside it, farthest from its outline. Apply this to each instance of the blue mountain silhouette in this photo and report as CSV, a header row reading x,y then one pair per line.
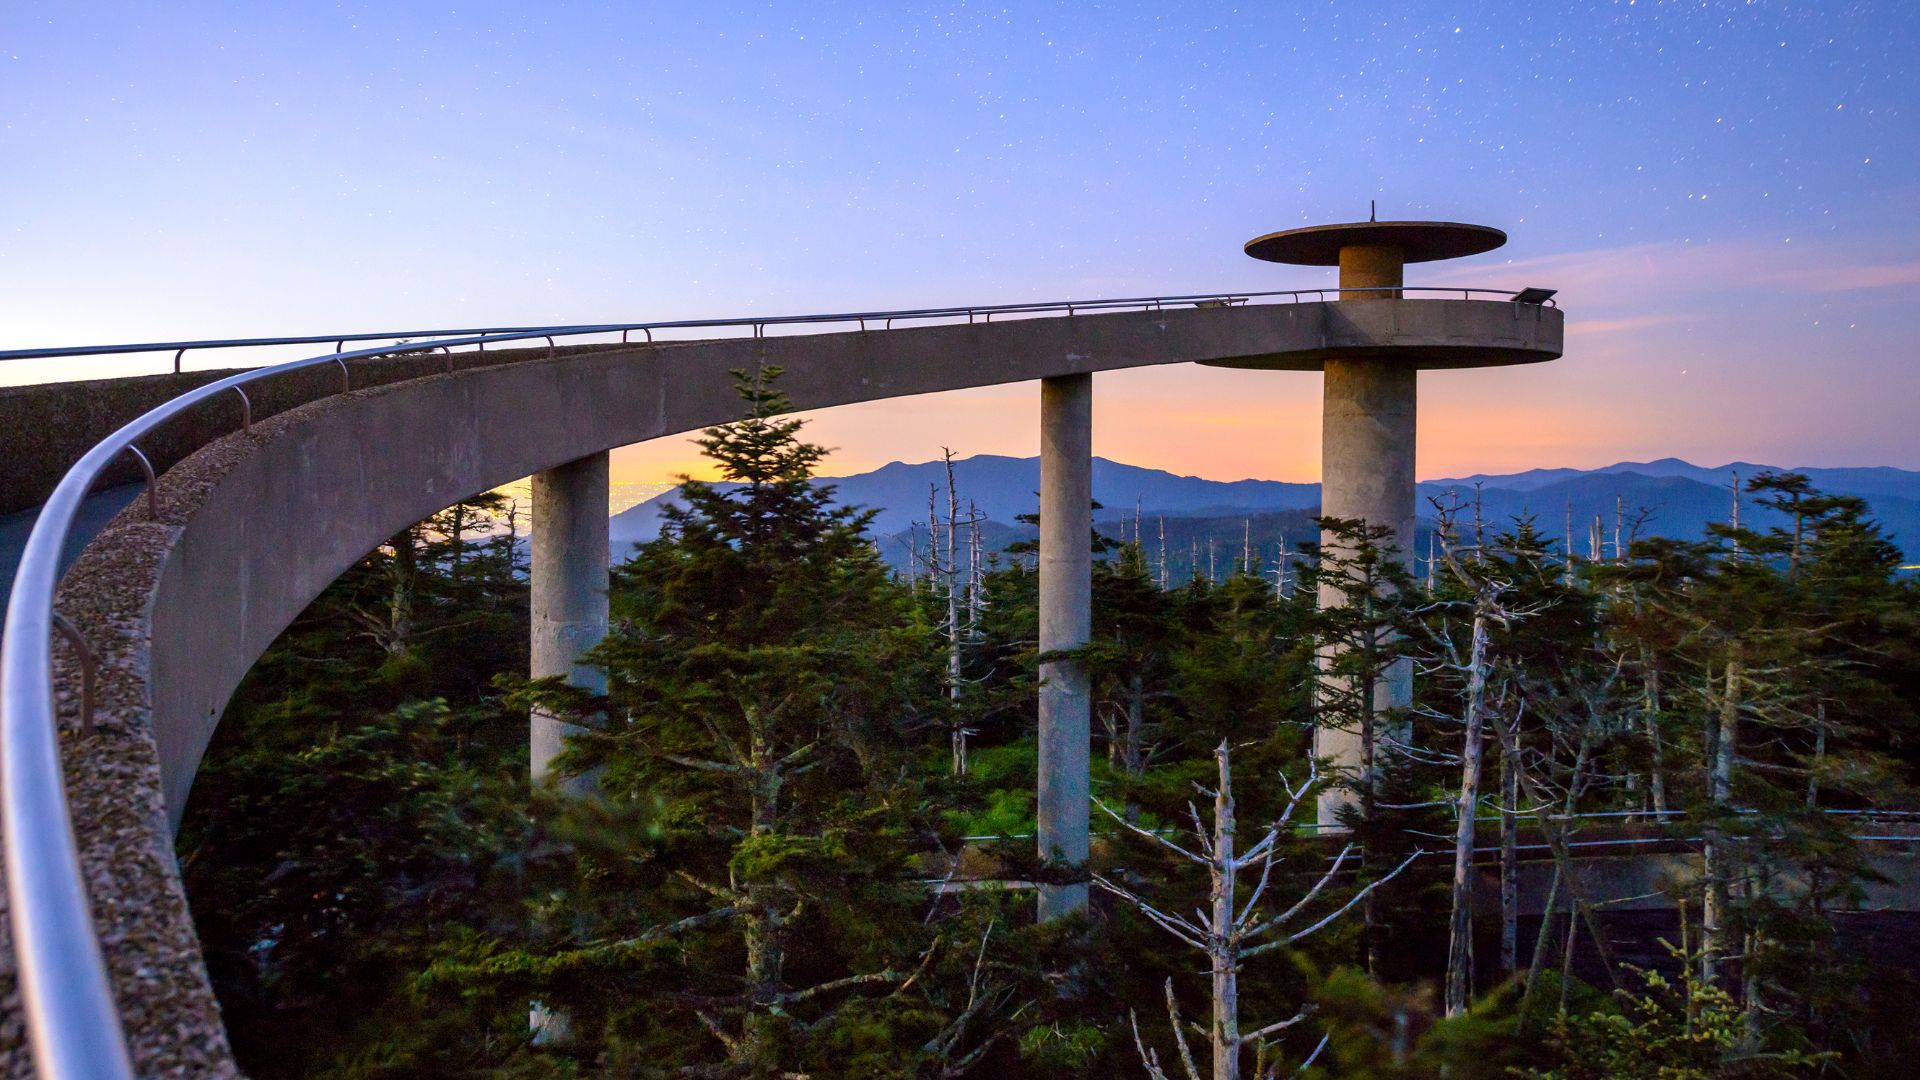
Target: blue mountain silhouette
x,y
1677,498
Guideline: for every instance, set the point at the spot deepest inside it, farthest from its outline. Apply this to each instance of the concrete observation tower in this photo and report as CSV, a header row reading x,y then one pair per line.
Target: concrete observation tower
x,y
1370,401
219,574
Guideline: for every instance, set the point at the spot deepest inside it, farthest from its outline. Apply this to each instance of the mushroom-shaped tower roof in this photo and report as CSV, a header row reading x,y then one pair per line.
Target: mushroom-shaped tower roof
x,y
1418,241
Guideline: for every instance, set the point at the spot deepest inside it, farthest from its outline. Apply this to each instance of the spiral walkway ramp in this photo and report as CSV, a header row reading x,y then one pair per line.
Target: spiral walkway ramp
x,y
269,483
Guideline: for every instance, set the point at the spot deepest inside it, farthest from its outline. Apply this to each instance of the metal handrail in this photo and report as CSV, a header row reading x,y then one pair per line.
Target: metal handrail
x,y
178,347
977,310
66,992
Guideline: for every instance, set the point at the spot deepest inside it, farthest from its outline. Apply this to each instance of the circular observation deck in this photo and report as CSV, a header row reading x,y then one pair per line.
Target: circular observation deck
x,y
1417,241
1428,334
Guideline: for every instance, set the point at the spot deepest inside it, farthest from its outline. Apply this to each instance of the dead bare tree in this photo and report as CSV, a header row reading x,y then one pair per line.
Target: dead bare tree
x,y
951,571
393,627
1584,717
1509,868
1163,553
943,571
976,570
985,996
1231,931
1475,667
1567,541
1619,518
1733,489
1479,524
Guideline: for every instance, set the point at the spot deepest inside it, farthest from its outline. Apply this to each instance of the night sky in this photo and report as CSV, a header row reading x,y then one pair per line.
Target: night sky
x,y
1724,193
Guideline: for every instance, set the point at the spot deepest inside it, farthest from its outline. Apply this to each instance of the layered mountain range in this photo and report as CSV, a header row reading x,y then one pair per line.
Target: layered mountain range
x,y
1668,497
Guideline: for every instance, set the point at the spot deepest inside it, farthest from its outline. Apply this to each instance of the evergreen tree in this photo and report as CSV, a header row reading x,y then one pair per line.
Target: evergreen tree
x,y
361,801
1360,639
771,686
773,879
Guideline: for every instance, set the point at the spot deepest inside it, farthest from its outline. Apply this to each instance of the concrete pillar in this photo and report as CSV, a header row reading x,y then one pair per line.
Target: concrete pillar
x,y
1066,621
1367,462
1368,411
570,559
1372,266
1366,444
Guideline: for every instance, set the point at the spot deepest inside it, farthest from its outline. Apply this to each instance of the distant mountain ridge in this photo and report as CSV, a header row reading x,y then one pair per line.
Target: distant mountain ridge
x,y
1865,481
1680,498
1006,487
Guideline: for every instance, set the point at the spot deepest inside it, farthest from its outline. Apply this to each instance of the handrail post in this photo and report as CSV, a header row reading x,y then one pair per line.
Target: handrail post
x,y
146,466
87,668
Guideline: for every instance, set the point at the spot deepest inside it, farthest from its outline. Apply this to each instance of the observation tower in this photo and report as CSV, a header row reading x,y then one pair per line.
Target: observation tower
x,y
148,634
1370,391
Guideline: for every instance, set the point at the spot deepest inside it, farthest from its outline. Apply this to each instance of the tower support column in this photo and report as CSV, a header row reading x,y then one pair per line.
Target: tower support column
x,y
1066,620
570,578
1367,473
1367,427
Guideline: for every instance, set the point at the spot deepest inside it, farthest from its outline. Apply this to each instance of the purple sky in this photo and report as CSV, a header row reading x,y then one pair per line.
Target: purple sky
x,y
1724,193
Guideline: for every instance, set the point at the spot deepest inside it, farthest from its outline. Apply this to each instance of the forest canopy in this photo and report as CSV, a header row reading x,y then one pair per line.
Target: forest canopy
x,y
807,846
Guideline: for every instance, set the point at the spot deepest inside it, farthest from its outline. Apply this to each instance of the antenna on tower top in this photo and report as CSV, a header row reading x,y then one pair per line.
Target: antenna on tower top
x,y
1373,214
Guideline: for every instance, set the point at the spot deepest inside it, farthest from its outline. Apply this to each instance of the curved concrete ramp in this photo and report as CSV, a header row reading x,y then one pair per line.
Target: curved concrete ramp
x,y
254,526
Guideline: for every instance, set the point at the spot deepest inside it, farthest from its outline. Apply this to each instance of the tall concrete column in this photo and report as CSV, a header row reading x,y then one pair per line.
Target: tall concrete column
x,y
1066,622
1367,422
570,559
1367,425
1367,464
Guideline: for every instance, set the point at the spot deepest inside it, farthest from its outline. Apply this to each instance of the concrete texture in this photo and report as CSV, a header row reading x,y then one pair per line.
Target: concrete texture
x,y
1368,415
1372,266
47,427
1368,425
254,526
99,509
1419,333
1369,408
569,594
1066,622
